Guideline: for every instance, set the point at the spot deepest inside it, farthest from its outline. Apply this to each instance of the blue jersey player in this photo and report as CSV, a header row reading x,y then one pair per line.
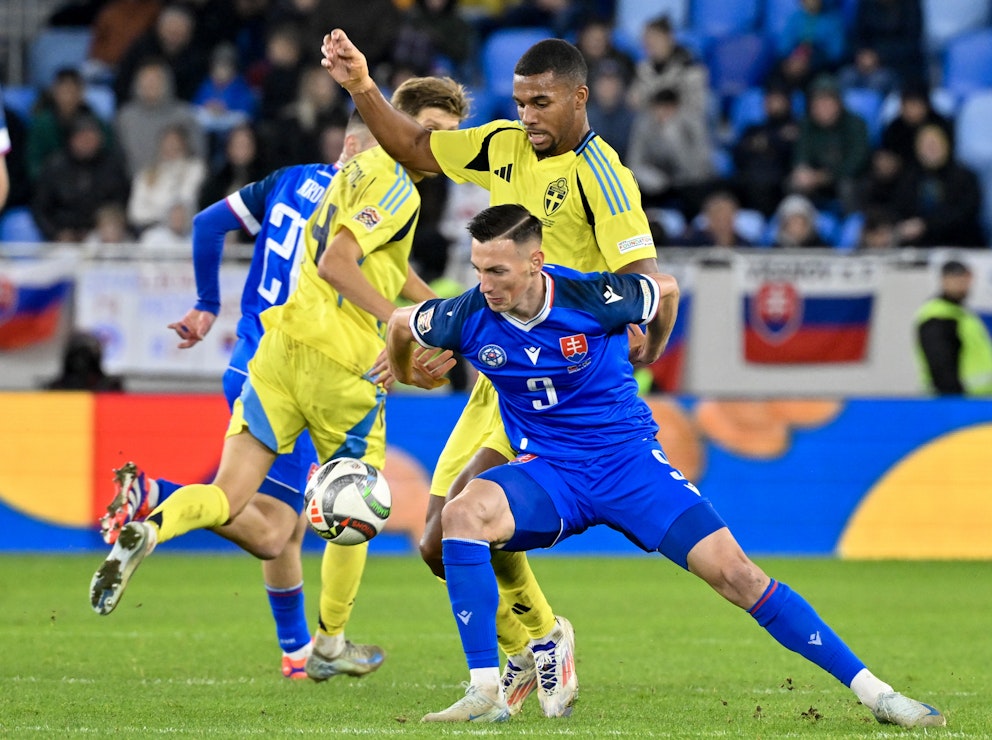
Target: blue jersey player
x,y
274,210
554,344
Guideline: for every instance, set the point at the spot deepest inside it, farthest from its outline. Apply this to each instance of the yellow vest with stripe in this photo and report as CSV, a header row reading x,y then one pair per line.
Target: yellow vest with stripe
x,y
975,360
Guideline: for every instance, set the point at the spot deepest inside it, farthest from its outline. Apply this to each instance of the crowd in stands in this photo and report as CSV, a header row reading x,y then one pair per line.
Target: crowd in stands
x,y
829,123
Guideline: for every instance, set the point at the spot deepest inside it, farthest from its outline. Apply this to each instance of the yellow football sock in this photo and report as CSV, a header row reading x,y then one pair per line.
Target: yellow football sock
x,y
340,575
510,632
198,506
519,589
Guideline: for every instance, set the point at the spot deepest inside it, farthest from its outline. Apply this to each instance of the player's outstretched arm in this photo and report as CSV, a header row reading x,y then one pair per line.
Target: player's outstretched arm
x,y
659,329
411,363
400,135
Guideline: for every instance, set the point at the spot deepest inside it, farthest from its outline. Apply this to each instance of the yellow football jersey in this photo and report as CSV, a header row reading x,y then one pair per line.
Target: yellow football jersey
x,y
588,201
375,199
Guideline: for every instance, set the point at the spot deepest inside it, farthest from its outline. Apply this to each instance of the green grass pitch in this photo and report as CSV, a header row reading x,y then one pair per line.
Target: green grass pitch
x,y
190,652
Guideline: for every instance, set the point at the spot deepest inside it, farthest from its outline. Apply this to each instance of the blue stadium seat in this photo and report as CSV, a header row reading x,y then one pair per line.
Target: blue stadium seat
x,y
777,14
750,224
747,109
968,62
672,221
21,100
945,19
850,231
972,131
723,162
55,48
737,63
866,103
718,18
102,100
17,226
500,53
632,15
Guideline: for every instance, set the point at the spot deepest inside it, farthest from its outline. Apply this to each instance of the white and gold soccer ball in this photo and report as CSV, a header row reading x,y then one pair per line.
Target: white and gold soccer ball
x,y
347,501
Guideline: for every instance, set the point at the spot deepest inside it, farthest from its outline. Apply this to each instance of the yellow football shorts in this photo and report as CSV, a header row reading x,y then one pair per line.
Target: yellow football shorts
x,y
292,386
479,425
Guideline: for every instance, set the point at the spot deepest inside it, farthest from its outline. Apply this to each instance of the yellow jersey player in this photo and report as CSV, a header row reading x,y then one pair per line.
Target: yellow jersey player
x,y
553,164
317,367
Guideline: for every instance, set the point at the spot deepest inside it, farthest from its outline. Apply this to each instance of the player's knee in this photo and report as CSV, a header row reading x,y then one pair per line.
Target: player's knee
x,y
430,552
460,518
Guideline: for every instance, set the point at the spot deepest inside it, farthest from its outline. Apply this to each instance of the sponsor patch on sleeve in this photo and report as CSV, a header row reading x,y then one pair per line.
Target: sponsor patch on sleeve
x,y
635,242
368,217
424,319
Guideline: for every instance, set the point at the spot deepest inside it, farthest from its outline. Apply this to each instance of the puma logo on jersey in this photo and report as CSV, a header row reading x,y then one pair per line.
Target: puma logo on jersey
x,y
503,172
610,296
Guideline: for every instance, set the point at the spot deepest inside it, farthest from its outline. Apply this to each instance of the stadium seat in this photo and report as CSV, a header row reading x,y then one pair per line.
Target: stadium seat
x,y
737,63
850,231
102,100
672,221
55,48
632,15
968,62
747,109
945,19
500,53
718,18
972,127
17,225
750,224
21,100
723,161
866,103
777,14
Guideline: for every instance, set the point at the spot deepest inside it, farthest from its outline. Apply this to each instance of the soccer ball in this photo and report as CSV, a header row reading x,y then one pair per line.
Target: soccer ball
x,y
347,501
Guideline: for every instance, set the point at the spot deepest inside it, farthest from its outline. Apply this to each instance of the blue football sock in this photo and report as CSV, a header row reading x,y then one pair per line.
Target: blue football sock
x,y
473,594
165,489
790,619
290,616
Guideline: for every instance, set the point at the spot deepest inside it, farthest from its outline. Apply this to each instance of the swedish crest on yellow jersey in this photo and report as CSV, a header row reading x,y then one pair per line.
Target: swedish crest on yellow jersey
x,y
588,201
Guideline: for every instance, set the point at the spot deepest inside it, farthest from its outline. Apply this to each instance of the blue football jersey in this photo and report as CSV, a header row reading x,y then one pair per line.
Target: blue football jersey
x,y
275,210
566,386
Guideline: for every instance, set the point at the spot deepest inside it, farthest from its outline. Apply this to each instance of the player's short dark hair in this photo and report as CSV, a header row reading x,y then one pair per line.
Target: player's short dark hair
x,y
955,267
509,221
557,56
417,93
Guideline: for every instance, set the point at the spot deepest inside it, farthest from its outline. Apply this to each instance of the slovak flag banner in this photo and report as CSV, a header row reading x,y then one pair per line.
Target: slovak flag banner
x,y
808,310
33,299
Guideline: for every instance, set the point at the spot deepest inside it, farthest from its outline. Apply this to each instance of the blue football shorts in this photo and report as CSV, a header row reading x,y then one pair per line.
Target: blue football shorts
x,y
287,478
634,490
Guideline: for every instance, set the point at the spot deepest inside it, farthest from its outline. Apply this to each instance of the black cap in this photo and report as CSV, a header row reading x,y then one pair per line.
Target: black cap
x,y
955,267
